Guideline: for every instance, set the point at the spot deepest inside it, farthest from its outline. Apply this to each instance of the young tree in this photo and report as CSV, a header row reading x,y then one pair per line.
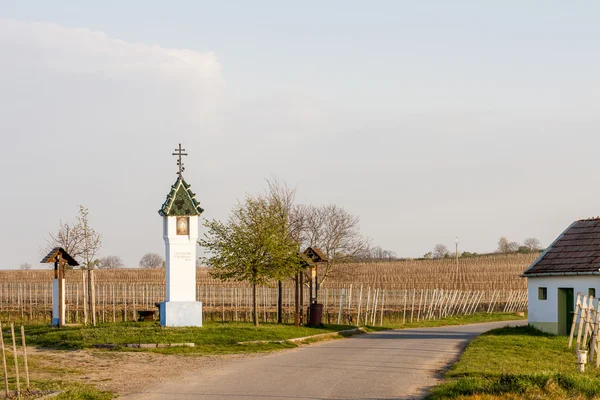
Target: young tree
x,y
110,262
255,245
152,260
440,251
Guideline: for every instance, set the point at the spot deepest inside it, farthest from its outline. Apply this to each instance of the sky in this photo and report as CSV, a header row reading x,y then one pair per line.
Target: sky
x,y
427,119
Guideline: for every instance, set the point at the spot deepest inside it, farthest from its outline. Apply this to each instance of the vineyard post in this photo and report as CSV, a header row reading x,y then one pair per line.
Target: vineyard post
x,y
491,302
374,311
16,359
340,309
412,310
367,306
382,307
349,304
359,306
6,392
24,346
420,302
404,315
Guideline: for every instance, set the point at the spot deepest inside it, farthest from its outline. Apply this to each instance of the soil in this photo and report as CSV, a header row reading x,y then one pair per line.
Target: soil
x,y
120,372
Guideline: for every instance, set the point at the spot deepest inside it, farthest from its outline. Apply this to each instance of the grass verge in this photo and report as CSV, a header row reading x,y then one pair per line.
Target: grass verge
x,y
212,338
518,363
477,318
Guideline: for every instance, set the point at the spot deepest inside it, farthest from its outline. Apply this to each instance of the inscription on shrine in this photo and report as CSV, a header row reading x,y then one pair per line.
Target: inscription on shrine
x,y
183,255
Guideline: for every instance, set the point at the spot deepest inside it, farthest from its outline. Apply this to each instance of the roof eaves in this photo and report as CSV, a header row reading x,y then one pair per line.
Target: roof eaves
x,y
560,274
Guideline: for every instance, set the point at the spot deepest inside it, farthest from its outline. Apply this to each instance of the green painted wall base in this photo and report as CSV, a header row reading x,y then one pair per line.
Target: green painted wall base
x,y
549,327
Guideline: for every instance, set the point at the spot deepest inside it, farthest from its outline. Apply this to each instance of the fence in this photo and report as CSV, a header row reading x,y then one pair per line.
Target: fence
x,y
32,301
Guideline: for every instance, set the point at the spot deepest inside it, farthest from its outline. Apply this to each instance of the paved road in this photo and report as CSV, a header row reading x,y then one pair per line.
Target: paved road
x,y
400,364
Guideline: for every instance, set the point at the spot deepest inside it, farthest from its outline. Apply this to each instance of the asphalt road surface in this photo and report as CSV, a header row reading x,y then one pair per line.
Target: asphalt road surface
x,y
399,364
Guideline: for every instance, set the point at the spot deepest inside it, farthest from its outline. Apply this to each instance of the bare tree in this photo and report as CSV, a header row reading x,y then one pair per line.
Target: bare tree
x,y
379,253
504,246
69,237
440,251
78,239
25,266
533,244
152,260
110,262
333,230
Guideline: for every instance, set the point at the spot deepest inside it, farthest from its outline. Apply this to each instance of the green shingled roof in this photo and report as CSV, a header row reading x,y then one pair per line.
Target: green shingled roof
x,y
180,201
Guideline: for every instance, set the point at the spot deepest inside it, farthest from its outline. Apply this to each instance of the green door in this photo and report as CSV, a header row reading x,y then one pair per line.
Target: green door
x,y
566,308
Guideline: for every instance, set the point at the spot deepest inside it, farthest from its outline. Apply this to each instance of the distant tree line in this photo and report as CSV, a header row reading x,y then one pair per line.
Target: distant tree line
x,y
505,246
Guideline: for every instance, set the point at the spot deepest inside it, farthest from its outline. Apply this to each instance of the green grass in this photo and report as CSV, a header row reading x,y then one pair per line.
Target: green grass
x,y
518,363
212,338
454,320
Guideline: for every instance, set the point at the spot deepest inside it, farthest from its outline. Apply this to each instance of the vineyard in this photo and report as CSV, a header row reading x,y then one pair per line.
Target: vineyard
x,y
398,291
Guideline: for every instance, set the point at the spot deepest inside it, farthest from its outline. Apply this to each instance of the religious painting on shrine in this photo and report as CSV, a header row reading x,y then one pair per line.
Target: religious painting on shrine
x,y
183,225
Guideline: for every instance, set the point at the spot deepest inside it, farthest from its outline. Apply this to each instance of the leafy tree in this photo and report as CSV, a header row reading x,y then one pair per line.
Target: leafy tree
x,y
440,251
256,244
25,266
110,262
428,255
152,260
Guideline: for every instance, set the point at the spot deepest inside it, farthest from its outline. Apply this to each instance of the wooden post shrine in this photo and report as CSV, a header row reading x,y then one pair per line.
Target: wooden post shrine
x,y
60,258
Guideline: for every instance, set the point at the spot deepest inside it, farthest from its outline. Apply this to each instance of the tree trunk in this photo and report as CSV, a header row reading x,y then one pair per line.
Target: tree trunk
x,y
254,306
279,302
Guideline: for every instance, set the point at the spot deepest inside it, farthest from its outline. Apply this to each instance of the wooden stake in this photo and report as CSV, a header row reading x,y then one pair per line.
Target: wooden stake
x,y
575,314
24,345
16,358
359,306
581,322
6,392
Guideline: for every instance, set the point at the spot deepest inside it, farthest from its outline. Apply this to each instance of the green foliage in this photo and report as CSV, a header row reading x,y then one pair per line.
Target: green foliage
x,y
254,245
522,362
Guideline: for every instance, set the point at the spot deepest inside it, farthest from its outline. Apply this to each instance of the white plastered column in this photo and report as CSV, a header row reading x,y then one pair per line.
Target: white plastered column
x,y
180,307
56,301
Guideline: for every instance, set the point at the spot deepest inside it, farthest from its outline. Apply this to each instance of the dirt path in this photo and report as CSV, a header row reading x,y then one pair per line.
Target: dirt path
x,y
122,372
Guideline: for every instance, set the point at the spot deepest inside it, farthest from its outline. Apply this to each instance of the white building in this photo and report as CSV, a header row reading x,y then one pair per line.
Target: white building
x,y
570,265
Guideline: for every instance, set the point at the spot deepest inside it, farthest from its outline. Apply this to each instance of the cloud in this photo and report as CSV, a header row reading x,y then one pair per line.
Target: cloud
x,y
78,50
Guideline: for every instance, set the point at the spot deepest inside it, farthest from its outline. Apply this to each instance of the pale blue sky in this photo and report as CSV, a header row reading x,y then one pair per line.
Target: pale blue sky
x,y
427,119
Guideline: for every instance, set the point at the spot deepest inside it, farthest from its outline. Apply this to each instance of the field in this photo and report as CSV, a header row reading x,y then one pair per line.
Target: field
x,y
377,292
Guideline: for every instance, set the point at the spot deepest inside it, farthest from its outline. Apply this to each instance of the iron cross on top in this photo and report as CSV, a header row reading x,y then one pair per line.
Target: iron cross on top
x,y
180,152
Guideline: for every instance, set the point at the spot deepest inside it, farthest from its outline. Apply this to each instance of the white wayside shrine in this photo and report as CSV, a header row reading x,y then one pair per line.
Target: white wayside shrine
x,y
180,214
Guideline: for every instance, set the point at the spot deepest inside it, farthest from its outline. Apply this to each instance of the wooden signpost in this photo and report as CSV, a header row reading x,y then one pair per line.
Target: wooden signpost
x,y
60,258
